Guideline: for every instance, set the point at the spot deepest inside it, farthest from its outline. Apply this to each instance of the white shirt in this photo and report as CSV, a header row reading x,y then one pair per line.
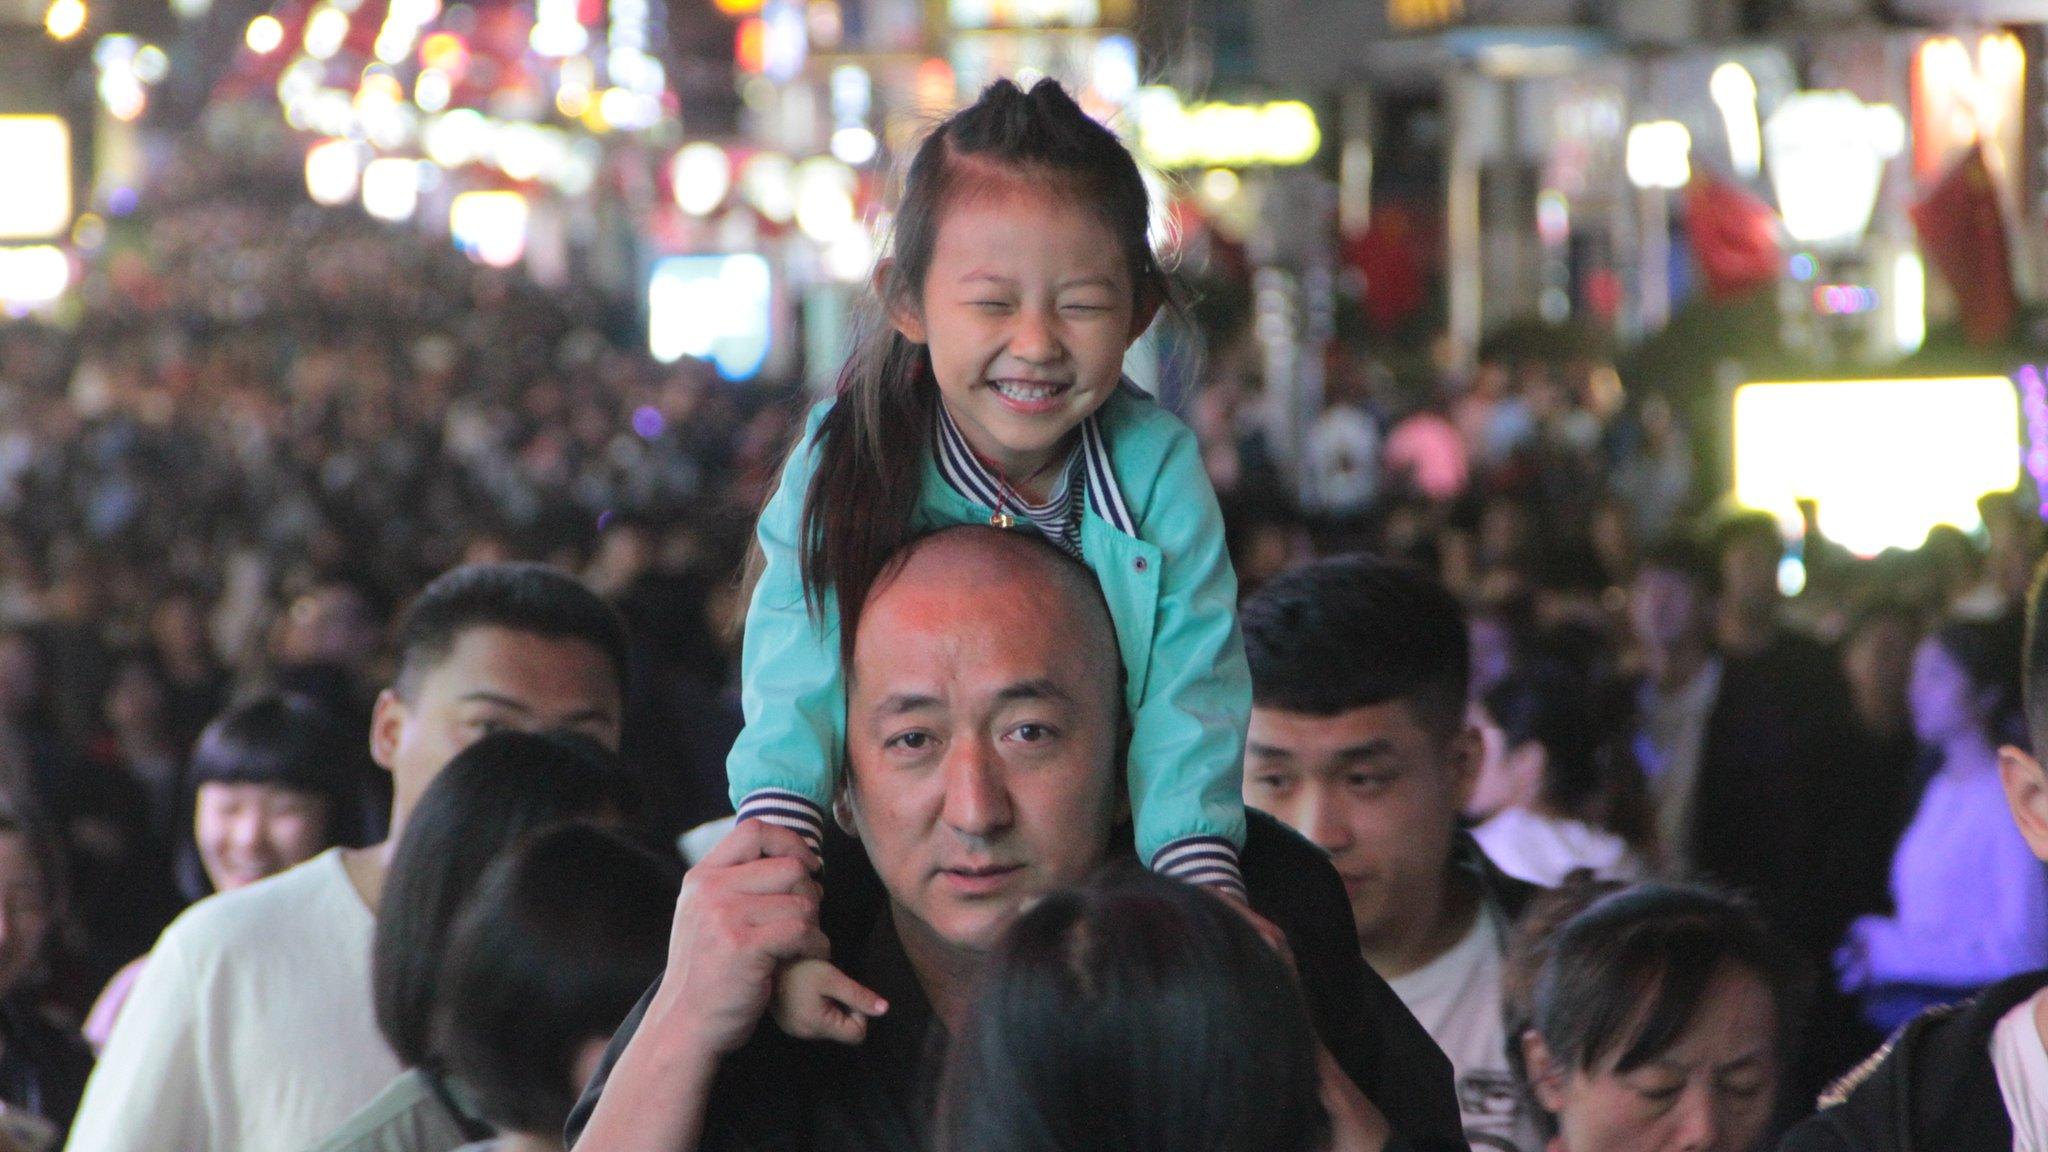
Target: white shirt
x,y
1673,738
252,1027
2020,1060
1457,999
1545,849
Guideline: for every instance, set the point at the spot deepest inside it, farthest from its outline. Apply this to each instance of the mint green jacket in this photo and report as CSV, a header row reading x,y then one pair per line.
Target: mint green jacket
x,y
1171,592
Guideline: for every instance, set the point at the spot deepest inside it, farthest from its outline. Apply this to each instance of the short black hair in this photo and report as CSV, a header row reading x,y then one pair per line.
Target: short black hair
x,y
519,597
495,792
1686,557
1747,526
1135,1012
1356,631
1611,975
1989,653
563,936
286,741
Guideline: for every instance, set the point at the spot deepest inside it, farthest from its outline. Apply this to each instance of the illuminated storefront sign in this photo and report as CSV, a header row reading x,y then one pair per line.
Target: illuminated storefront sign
x,y
1884,460
1424,15
1176,135
35,198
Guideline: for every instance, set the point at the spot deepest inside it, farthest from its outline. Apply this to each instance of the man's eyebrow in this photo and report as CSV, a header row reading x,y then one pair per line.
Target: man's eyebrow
x,y
1040,689
486,696
901,702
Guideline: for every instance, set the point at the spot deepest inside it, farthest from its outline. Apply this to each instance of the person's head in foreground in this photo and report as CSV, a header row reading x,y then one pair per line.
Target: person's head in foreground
x,y
983,765
270,788
494,793
1134,1013
560,939
496,646
1652,1018
1965,687
1359,737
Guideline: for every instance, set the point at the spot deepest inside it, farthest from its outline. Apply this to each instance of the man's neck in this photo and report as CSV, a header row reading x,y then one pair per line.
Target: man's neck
x,y
1746,630
1398,954
367,868
945,972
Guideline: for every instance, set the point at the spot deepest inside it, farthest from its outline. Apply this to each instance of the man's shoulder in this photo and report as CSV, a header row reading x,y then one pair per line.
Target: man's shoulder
x,y
304,903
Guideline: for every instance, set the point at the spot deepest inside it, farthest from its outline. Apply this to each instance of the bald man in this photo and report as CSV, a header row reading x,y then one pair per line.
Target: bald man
x,y
985,730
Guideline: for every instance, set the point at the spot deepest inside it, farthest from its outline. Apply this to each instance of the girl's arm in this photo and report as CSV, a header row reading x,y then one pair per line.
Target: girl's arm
x,y
792,696
1187,739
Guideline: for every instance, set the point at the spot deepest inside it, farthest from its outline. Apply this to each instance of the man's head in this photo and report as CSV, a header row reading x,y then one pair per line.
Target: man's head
x,y
983,726
2026,788
1747,549
490,647
1671,600
1358,734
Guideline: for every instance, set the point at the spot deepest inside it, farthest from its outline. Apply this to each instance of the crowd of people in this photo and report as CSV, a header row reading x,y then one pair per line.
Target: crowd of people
x,y
374,624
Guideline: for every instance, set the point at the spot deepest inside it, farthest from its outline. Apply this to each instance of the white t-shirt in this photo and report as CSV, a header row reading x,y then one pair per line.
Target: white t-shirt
x,y
252,1027
2021,1061
1457,999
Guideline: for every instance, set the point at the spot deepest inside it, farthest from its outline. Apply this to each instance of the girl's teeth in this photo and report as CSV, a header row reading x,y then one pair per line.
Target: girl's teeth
x,y
1020,392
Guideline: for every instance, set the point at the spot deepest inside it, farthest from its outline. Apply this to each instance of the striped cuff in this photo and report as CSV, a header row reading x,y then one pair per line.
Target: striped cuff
x,y
1205,860
786,810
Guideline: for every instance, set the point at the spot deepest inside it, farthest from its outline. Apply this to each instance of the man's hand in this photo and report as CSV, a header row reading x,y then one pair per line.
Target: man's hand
x,y
746,909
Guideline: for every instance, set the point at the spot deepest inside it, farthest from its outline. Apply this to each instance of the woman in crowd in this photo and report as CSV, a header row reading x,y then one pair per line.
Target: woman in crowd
x,y
42,1066
1970,900
563,935
1139,1014
1649,1018
488,799
1554,794
267,789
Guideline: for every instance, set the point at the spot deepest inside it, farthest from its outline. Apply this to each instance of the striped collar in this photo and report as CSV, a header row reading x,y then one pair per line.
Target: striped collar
x,y
968,476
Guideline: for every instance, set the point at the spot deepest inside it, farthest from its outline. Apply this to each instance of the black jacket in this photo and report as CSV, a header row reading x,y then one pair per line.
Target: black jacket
x,y
1369,1032
1932,1089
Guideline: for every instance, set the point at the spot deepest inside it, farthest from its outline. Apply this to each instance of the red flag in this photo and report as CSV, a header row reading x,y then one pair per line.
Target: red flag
x,y
1734,237
1963,234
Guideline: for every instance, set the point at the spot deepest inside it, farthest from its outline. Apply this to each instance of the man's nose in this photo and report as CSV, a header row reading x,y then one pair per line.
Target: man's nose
x,y
977,799
1322,822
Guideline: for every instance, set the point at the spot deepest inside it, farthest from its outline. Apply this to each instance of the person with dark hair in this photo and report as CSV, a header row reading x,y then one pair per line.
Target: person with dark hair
x,y
1970,902
43,1066
984,728
252,1027
1971,1077
1556,790
1748,548
1061,1048
1359,740
493,794
1020,273
564,933
1658,1016
267,789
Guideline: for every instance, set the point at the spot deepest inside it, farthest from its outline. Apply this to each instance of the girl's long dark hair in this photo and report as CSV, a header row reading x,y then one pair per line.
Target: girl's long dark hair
x,y
871,445
1136,1013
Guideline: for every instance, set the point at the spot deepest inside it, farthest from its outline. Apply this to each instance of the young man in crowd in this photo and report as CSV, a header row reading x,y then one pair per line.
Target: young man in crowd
x,y
1359,740
1972,1077
252,1027
985,721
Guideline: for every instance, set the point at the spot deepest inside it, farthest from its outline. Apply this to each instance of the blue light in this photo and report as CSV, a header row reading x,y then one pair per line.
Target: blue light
x,y
1802,267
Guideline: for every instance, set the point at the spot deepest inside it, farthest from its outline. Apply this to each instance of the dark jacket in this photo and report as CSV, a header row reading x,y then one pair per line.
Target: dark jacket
x,y
1369,1032
1932,1089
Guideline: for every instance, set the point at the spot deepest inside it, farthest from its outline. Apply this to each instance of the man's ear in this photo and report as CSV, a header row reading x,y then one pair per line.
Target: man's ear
x,y
843,813
902,311
1546,1079
2026,793
1462,757
387,727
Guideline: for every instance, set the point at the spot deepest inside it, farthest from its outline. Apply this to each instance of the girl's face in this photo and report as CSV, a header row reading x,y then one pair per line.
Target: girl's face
x,y
24,909
1027,310
246,832
1941,695
1712,1091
